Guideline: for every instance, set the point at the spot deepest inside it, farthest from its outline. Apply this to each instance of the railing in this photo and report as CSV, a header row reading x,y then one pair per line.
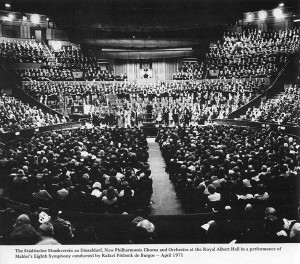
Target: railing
x,y
26,65
154,80
257,100
288,129
286,75
19,93
170,229
6,138
115,228
17,40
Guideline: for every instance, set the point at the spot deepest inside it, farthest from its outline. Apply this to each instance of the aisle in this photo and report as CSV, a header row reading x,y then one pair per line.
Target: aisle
x,y
164,201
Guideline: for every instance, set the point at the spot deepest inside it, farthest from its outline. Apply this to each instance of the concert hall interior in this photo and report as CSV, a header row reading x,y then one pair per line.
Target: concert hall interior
x,y
149,121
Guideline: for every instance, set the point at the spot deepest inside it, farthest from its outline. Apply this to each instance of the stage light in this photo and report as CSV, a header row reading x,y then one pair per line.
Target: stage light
x,y
35,19
47,19
249,17
281,4
7,5
262,15
277,13
25,18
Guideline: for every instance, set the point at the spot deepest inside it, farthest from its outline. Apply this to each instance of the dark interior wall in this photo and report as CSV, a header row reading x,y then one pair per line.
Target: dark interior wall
x,y
11,31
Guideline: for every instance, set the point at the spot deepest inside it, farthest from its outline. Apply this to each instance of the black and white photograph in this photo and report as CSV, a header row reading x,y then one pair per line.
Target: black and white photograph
x,y
149,131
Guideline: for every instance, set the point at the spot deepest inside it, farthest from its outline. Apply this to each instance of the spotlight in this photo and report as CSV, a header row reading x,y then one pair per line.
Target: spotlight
x,y
35,19
249,17
7,5
47,19
262,15
281,4
277,12
25,18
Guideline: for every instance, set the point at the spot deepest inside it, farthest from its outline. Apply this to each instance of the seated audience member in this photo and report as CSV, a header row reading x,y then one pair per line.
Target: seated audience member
x,y
46,230
24,235
41,196
110,199
63,230
223,229
295,233
16,115
48,241
142,231
21,220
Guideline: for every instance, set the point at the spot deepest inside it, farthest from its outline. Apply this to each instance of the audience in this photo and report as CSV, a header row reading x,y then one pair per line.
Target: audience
x,y
252,54
189,71
22,51
172,103
233,165
93,170
282,111
15,115
230,172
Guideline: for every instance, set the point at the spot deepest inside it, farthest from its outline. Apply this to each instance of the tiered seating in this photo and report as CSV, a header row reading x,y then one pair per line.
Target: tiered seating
x,y
45,74
22,51
190,71
73,59
16,115
98,170
252,54
214,167
283,110
202,100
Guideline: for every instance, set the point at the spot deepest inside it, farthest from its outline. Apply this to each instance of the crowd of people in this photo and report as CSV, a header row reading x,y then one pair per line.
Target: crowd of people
x,y
241,175
251,54
190,71
16,115
217,166
90,91
37,227
254,53
268,225
256,41
83,170
64,73
225,170
72,58
22,51
45,74
172,102
256,66
53,228
67,61
283,110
